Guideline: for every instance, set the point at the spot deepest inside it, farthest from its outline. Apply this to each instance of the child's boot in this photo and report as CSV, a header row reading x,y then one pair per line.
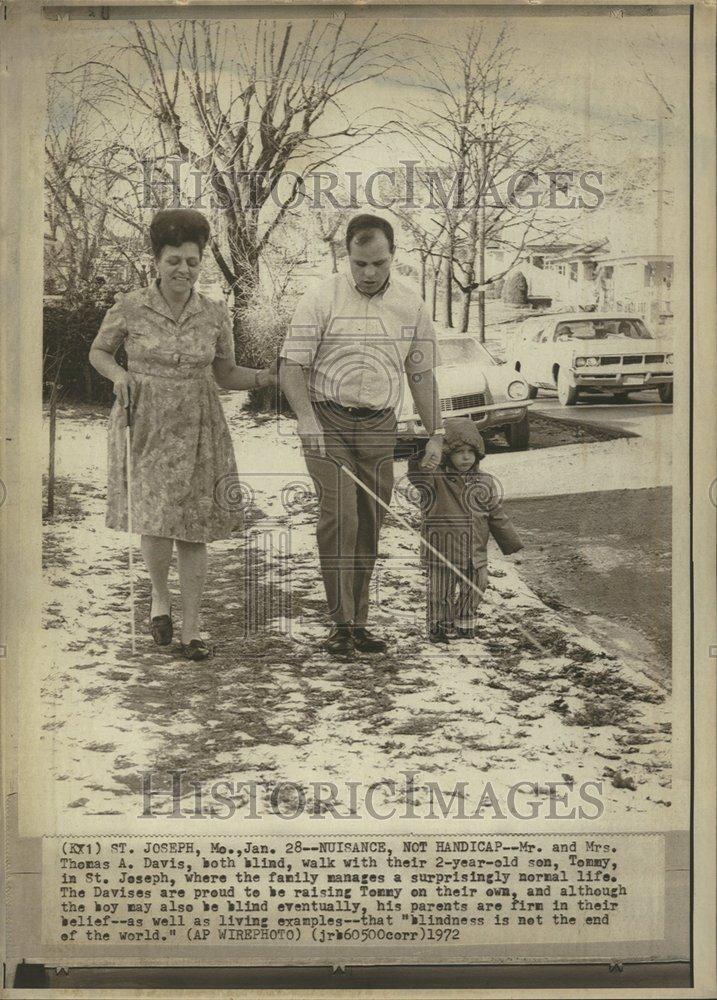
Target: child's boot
x,y
438,635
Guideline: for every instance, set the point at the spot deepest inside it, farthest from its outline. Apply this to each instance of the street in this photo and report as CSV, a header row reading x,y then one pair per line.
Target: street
x,y
642,413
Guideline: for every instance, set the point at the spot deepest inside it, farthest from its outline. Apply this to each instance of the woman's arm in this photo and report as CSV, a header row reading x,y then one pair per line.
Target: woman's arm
x,y
103,361
110,335
230,376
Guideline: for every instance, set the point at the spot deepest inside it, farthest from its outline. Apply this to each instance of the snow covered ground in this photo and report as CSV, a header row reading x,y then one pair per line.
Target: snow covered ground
x,y
530,699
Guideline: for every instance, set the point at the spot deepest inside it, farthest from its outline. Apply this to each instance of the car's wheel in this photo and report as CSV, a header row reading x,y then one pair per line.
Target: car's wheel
x,y
567,392
532,389
518,435
665,392
619,397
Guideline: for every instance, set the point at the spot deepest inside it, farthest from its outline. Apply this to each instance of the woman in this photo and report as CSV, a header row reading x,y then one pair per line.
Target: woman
x,y
178,344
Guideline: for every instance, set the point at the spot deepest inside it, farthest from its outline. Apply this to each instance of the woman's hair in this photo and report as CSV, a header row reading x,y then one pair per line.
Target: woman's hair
x,y
174,226
364,226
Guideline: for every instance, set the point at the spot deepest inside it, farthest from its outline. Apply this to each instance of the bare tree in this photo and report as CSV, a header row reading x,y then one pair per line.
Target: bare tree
x,y
481,125
330,223
79,179
647,75
252,112
423,238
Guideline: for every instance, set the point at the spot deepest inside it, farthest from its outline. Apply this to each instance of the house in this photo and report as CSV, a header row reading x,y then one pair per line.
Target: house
x,y
588,276
637,283
570,273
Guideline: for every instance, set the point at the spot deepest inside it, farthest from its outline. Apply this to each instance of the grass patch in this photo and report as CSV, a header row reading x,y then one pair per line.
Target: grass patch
x,y
602,712
609,682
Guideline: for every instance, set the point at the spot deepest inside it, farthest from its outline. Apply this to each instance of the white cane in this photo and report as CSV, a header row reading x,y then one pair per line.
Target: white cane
x,y
128,444
443,559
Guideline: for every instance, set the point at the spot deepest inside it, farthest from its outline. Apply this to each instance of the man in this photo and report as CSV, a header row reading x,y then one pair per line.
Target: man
x,y
352,342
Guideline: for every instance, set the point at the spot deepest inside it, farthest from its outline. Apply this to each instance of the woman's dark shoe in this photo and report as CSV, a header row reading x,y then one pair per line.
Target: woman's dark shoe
x,y
340,641
196,649
366,642
161,628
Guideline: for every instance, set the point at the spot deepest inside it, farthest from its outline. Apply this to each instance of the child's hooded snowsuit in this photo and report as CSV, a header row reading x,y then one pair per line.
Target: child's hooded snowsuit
x,y
459,513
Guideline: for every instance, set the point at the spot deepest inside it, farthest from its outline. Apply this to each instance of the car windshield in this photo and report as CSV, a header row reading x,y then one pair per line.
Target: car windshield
x,y
601,329
460,351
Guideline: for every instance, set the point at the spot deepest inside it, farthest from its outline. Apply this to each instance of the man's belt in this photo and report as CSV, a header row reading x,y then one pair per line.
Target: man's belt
x,y
352,411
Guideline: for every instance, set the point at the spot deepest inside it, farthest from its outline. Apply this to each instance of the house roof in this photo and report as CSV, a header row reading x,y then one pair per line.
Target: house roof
x,y
607,258
581,251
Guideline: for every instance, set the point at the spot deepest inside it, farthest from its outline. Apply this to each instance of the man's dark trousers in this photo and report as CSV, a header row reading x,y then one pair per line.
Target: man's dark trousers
x,y
349,518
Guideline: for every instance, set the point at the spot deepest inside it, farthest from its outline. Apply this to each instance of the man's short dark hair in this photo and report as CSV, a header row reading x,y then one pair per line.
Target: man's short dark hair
x,y
362,227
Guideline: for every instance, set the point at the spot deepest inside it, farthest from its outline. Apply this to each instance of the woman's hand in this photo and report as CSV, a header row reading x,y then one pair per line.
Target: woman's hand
x,y
122,385
267,376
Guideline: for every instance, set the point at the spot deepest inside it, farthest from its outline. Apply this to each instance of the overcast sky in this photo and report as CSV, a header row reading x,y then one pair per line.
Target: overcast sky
x,y
587,76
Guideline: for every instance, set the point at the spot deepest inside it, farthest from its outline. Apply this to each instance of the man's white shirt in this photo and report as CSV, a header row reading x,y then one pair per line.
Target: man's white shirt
x,y
358,349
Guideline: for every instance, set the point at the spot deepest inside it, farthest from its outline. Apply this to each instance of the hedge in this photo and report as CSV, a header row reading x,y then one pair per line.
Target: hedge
x,y
67,338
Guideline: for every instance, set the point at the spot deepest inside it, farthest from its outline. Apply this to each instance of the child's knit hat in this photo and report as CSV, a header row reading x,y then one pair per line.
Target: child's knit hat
x,y
462,431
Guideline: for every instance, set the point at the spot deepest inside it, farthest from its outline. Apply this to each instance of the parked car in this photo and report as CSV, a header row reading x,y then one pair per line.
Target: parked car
x,y
473,384
592,352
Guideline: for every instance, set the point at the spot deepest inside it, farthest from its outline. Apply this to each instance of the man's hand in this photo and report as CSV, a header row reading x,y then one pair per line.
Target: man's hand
x,y
312,435
434,452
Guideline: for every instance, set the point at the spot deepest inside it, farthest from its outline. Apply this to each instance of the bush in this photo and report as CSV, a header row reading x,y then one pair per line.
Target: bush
x,y
67,336
260,329
495,290
515,289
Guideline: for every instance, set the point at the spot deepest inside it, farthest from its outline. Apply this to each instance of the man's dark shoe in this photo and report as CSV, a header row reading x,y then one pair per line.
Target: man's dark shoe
x,y
340,641
466,633
365,642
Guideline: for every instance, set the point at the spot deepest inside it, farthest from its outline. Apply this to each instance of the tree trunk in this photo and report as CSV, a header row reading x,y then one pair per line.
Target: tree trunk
x,y
434,303
334,259
423,277
449,289
246,282
465,309
470,270
51,464
89,387
481,317
481,257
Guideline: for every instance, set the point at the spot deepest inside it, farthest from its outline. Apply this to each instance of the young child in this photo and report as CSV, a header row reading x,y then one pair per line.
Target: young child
x,y
460,508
